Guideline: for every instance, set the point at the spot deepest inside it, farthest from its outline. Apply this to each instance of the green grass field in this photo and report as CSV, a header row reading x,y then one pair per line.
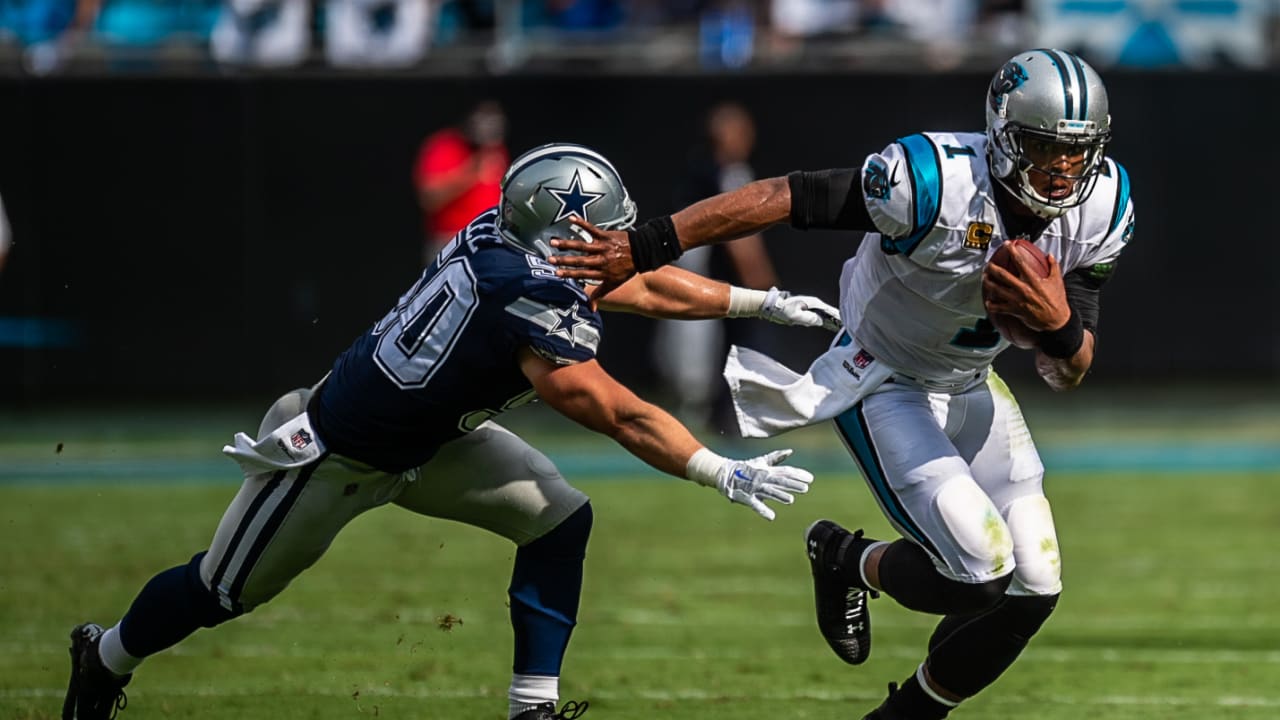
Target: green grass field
x,y
693,608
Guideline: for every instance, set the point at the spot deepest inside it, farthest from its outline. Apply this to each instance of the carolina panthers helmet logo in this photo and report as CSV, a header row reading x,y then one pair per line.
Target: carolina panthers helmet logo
x,y
875,181
1010,77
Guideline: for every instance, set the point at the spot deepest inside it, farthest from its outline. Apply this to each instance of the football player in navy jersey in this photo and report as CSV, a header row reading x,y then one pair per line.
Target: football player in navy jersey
x,y
406,417
938,436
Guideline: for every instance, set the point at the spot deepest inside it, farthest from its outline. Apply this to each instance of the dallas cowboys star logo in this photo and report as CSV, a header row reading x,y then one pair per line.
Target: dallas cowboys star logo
x,y
567,323
573,199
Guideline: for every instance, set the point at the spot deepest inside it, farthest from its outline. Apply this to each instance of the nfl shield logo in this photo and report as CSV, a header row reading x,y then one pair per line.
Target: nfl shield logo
x,y
300,439
862,360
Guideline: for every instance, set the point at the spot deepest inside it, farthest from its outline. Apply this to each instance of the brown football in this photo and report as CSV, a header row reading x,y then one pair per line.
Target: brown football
x,y
1009,326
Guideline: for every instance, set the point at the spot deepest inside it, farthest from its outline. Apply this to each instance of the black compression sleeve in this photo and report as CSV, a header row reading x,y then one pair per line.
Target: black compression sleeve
x,y
1083,295
828,200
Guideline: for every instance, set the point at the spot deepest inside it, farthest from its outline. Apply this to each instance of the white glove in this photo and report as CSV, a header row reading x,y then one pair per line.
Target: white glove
x,y
750,482
780,306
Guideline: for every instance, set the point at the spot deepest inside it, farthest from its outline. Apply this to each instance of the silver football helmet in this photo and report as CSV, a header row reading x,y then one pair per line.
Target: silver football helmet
x,y
1047,113
548,184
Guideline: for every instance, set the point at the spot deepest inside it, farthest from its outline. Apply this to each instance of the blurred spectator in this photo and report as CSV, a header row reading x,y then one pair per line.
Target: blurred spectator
x,y
689,354
459,171
147,23
461,19
726,35
267,33
794,20
47,29
1158,34
574,15
377,33
940,27
1005,23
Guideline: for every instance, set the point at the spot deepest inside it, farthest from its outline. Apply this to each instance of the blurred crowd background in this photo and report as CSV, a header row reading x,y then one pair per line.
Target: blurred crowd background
x,y
205,200
158,36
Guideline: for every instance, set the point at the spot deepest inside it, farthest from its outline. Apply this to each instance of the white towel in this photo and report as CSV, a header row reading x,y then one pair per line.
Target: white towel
x,y
769,398
292,445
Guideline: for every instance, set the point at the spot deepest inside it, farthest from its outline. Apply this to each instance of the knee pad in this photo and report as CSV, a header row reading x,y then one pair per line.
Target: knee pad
x,y
975,524
1039,569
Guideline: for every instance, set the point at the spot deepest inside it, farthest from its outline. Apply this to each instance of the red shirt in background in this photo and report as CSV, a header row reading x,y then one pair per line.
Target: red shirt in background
x,y
448,151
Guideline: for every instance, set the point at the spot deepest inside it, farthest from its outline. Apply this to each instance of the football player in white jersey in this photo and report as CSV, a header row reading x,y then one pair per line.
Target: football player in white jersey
x,y
937,435
405,418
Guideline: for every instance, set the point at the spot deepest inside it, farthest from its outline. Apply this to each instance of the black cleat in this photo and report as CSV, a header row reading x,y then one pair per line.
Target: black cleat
x,y
94,693
843,617
882,712
547,711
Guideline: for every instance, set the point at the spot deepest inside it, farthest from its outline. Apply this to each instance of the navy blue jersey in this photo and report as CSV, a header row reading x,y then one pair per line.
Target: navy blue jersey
x,y
445,358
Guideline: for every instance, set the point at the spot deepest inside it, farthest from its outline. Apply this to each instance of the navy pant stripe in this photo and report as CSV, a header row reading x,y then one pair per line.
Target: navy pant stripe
x,y
245,522
269,530
853,429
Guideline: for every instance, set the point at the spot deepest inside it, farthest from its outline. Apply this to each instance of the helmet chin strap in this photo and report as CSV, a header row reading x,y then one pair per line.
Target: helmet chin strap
x,y
1028,201
1039,205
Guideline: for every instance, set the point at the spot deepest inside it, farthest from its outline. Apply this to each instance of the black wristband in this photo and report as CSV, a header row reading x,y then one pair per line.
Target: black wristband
x,y
1065,341
654,243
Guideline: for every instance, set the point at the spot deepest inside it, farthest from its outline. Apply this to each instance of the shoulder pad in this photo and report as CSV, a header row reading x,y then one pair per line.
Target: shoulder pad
x,y
1108,218
914,171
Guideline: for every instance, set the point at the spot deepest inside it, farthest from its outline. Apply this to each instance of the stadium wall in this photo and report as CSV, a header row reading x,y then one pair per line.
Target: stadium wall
x,y
219,237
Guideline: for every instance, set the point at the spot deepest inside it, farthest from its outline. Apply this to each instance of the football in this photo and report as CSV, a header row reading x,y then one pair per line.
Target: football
x,y
1009,326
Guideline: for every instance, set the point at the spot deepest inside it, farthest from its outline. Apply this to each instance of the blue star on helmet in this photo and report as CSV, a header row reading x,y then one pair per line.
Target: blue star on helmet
x,y
566,324
573,199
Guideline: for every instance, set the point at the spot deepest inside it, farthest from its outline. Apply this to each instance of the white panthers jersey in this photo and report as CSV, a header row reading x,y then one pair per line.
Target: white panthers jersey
x,y
912,295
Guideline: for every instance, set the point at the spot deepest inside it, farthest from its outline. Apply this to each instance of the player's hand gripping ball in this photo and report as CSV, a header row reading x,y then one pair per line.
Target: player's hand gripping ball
x,y
1009,326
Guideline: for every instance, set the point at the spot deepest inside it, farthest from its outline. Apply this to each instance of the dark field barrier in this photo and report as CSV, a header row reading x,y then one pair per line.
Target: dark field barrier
x,y
212,238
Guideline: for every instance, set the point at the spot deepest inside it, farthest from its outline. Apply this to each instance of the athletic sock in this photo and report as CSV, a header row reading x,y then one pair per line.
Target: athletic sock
x,y
169,608
530,691
914,701
546,585
114,657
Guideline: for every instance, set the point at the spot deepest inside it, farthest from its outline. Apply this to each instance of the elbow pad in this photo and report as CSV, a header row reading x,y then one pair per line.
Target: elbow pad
x,y
1084,297
828,200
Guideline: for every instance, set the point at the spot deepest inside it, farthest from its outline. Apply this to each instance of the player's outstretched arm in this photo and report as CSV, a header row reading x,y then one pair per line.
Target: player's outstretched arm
x,y
614,256
587,394
672,292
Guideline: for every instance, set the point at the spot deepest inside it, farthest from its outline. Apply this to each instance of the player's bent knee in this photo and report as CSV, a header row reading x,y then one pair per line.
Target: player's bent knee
x,y
975,524
569,538
1039,570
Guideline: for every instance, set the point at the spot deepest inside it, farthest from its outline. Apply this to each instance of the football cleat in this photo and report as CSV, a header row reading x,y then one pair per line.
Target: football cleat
x,y
547,711
882,712
843,617
94,693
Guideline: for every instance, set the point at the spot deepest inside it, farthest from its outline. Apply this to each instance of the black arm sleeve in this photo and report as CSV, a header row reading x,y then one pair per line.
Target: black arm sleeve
x,y
829,200
1084,286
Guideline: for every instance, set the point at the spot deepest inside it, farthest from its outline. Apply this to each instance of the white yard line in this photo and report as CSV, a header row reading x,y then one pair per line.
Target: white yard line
x,y
897,651
677,694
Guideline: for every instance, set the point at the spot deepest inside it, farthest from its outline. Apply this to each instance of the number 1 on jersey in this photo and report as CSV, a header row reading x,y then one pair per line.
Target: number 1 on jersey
x,y
982,335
